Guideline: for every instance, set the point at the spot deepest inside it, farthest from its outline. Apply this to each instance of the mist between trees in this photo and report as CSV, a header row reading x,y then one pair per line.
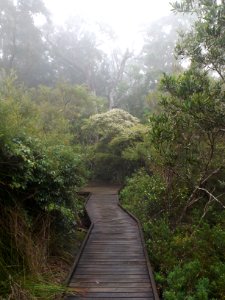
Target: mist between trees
x,y
155,121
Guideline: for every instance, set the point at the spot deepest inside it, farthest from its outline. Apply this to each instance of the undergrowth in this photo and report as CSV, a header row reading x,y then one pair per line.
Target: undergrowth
x,y
32,265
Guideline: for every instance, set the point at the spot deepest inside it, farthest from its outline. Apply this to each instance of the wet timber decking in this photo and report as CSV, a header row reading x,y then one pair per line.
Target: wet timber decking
x,y
112,264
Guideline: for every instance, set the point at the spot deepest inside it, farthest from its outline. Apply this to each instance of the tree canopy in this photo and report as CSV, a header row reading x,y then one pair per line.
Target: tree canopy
x,y
204,45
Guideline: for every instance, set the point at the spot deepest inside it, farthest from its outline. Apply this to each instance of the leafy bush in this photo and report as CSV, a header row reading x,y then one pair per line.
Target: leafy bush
x,y
145,191
108,135
179,195
41,170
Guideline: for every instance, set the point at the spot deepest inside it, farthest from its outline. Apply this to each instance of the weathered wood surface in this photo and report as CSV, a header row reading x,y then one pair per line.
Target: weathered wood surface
x,y
112,264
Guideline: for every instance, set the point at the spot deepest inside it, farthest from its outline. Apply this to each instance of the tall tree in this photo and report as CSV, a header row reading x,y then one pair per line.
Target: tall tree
x,y
158,53
117,67
75,53
143,72
204,45
78,57
21,44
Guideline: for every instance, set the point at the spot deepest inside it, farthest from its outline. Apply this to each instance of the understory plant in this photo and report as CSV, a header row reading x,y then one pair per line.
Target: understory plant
x,y
179,194
41,170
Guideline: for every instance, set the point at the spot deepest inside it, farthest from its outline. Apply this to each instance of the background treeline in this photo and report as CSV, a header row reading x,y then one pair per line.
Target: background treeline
x,y
81,52
164,141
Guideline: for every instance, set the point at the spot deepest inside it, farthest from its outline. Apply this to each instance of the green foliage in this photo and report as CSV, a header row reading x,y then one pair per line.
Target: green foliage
x,y
109,134
204,44
74,101
23,48
179,197
43,290
41,169
145,190
107,125
50,136
180,280
188,260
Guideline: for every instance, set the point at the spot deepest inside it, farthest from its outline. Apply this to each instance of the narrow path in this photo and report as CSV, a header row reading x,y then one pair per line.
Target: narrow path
x,y
112,264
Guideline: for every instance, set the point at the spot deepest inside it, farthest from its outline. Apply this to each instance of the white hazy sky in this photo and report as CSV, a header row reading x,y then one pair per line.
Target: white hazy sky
x,y
124,16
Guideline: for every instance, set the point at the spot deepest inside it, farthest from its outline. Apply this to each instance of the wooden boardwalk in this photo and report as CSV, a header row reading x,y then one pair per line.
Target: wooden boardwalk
x,y
112,264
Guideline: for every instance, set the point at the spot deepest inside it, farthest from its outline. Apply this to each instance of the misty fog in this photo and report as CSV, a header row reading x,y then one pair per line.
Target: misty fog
x,y
103,103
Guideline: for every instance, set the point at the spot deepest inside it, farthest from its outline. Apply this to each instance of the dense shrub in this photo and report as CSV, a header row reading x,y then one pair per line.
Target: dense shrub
x,y
107,136
179,195
41,170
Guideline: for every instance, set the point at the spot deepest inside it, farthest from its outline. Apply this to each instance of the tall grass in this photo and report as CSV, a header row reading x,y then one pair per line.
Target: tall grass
x,y
24,253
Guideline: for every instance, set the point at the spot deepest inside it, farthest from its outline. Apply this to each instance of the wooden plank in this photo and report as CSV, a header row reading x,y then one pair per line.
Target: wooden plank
x,y
113,263
110,284
115,250
117,289
116,270
88,298
114,256
119,242
115,239
110,272
110,295
132,246
113,267
111,278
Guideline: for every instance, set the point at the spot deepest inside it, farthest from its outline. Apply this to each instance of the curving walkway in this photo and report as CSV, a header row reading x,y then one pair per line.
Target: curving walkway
x,y
112,264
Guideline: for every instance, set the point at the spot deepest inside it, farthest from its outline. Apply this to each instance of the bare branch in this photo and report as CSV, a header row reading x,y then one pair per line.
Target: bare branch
x,y
191,199
211,195
210,175
206,208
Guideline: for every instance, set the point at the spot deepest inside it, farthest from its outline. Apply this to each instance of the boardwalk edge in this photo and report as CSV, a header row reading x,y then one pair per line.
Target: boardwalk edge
x,y
154,288
78,256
